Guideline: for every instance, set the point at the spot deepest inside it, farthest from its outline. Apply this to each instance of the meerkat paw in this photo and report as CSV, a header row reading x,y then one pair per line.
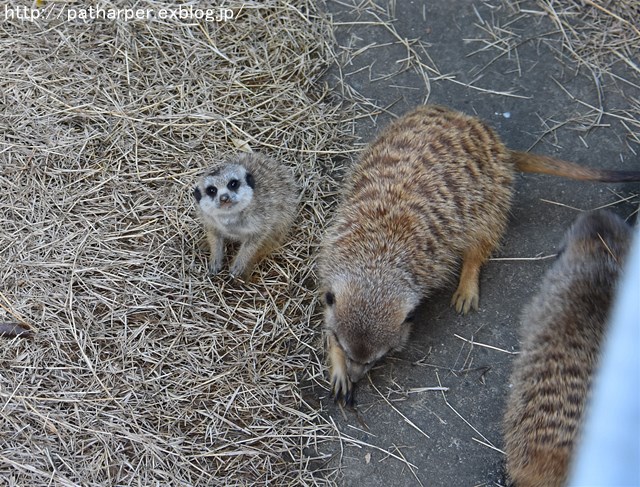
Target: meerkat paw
x,y
214,266
341,386
241,271
216,247
246,260
465,298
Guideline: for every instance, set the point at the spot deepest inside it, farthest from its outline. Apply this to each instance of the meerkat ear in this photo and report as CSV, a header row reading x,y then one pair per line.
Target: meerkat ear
x,y
329,298
197,194
250,181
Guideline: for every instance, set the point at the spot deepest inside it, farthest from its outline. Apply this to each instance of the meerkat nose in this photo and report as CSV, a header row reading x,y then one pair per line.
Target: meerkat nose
x,y
224,198
197,194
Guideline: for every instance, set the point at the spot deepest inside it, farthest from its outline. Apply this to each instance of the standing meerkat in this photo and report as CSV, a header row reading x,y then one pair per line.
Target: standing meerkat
x,y
435,186
562,329
250,199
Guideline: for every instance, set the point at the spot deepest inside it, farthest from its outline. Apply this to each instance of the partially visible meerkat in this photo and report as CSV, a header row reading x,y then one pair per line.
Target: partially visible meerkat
x,y
250,199
562,330
435,186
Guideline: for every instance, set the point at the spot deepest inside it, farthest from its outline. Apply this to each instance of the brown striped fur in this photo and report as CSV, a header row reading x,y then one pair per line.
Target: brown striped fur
x,y
436,185
562,330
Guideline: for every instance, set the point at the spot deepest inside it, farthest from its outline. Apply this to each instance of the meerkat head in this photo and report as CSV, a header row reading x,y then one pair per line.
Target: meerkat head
x,y
227,189
368,321
597,236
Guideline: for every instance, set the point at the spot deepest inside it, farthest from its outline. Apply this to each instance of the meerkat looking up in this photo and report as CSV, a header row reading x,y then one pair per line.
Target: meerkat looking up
x,y
562,329
433,188
251,199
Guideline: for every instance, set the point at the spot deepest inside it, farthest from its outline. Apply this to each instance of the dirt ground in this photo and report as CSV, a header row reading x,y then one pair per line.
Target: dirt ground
x,y
411,432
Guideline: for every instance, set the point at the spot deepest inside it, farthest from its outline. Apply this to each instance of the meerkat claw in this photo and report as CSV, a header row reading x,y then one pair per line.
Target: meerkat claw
x,y
464,303
342,390
214,268
348,398
237,272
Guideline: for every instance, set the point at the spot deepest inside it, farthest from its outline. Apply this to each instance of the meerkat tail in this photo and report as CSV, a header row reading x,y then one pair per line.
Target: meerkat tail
x,y
527,162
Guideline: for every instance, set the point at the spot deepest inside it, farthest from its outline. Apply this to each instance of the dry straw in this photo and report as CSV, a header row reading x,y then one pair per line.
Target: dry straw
x,y
144,370
598,34
604,37
600,38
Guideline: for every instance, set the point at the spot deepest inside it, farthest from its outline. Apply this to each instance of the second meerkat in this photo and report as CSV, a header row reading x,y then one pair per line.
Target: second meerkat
x,y
435,186
563,329
251,199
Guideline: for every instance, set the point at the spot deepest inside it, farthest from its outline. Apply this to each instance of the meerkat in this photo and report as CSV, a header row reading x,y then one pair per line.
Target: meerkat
x,y
434,187
562,329
251,199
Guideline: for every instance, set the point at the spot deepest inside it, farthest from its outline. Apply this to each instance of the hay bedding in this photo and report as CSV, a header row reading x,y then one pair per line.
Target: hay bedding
x,y
602,35
143,369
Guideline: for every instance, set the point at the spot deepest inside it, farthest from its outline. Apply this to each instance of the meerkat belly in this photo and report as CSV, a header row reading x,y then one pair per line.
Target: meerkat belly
x,y
235,227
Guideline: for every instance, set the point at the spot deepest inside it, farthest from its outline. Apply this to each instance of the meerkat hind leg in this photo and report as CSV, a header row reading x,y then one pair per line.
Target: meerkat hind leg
x,y
467,296
251,252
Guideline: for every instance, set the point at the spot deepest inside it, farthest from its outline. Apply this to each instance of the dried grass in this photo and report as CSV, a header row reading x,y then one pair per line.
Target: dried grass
x,y
599,35
604,37
143,369
600,38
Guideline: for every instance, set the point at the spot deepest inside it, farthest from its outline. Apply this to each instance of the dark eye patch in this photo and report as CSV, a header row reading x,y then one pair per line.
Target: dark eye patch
x,y
329,298
233,184
197,194
250,181
212,191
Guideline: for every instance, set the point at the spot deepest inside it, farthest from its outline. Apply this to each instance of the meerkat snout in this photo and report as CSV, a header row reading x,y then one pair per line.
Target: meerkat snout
x,y
364,325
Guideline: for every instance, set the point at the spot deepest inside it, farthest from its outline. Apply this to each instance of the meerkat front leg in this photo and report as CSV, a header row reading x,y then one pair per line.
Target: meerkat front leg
x,y
216,247
467,296
250,253
341,386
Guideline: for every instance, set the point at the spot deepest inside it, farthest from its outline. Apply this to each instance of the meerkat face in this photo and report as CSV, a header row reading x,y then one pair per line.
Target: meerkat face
x,y
228,189
367,326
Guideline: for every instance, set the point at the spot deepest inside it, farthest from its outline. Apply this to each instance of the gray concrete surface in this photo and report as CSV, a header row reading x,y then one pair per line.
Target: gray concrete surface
x,y
469,414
